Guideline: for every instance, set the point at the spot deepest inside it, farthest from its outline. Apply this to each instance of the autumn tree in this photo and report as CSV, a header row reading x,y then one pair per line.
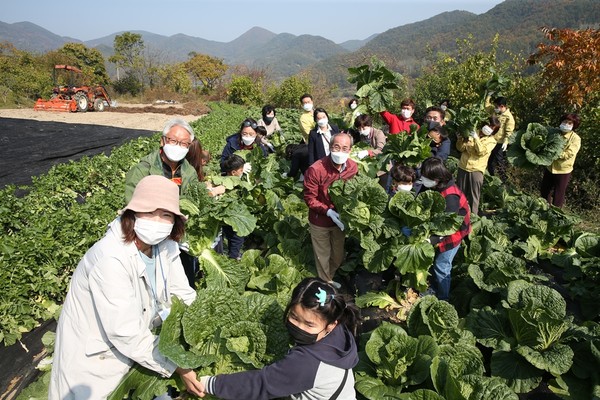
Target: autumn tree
x,y
129,50
90,61
175,78
21,76
206,70
571,63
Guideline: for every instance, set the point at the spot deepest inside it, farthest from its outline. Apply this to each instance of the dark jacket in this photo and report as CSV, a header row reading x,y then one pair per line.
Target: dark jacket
x,y
299,160
316,149
234,143
441,150
313,371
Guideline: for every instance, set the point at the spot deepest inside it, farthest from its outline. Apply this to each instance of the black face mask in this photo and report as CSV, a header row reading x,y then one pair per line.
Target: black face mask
x,y
300,336
433,124
268,120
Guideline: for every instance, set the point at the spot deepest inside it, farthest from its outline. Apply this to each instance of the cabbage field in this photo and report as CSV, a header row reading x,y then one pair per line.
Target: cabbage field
x,y
523,316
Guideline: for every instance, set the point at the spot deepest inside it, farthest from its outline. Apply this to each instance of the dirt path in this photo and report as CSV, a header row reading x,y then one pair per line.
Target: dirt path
x,y
139,116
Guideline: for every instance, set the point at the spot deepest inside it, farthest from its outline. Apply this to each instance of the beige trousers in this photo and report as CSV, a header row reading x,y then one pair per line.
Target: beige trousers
x,y
328,248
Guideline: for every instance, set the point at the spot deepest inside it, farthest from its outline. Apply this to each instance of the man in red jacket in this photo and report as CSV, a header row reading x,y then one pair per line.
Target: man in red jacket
x,y
404,121
326,228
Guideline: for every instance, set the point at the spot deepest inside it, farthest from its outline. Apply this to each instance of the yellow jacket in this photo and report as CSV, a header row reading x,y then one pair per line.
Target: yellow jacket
x,y
564,163
507,122
307,122
475,152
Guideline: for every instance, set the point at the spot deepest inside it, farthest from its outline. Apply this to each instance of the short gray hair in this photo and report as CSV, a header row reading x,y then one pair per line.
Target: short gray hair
x,y
342,134
179,122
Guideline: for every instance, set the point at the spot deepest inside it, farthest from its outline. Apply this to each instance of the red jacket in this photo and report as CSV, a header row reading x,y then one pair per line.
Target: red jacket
x,y
317,179
451,241
396,123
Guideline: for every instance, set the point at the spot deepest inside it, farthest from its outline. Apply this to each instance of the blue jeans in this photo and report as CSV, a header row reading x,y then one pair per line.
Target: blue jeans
x,y
442,268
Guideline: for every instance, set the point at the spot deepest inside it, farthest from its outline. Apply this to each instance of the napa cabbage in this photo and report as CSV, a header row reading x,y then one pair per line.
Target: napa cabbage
x,y
537,145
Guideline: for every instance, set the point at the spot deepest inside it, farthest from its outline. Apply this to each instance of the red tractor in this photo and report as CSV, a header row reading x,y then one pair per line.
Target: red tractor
x,y
69,95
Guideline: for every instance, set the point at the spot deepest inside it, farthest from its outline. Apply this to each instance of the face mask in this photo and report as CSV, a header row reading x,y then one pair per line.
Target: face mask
x,y
268,120
432,124
497,110
565,128
406,113
323,122
307,106
151,232
175,153
487,131
428,183
444,108
339,157
301,337
365,131
353,106
248,140
406,188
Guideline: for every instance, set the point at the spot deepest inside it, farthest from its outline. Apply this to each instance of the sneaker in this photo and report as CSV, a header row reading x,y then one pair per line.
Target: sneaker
x,y
335,284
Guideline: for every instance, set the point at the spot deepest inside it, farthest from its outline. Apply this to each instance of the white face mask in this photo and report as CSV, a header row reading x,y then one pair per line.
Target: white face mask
x,y
406,188
248,140
487,131
365,131
566,128
406,113
497,110
444,108
151,232
307,106
339,157
175,153
428,183
323,122
353,106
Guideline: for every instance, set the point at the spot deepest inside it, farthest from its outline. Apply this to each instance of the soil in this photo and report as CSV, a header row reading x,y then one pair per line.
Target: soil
x,y
33,141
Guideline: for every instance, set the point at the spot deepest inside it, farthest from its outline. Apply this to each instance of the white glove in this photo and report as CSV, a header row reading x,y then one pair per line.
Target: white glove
x,y
473,134
284,175
247,168
335,217
362,154
504,146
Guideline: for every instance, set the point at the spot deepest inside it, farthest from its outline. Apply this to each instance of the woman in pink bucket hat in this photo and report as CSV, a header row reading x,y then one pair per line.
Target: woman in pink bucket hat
x,y
119,292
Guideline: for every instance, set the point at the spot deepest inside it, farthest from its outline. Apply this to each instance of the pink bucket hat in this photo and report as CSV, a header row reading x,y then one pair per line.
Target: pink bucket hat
x,y
154,192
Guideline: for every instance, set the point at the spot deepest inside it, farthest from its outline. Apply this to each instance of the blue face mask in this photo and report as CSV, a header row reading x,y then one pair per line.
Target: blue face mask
x,y
428,183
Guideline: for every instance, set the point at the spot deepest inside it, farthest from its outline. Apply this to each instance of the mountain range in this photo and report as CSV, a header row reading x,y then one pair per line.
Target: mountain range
x,y
517,23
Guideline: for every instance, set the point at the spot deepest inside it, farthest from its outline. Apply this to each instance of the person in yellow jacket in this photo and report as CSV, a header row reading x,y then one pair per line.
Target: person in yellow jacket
x,y
476,151
557,175
497,162
307,121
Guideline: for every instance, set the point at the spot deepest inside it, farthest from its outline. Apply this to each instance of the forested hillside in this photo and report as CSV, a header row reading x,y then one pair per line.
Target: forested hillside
x,y
517,22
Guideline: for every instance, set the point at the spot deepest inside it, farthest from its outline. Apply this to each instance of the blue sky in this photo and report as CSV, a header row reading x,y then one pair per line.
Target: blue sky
x,y
225,20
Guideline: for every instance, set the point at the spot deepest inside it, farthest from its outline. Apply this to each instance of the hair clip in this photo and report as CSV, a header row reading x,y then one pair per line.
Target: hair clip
x,y
321,295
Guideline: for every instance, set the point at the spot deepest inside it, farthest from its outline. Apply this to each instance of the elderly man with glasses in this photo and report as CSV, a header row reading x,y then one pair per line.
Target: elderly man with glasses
x,y
326,227
168,161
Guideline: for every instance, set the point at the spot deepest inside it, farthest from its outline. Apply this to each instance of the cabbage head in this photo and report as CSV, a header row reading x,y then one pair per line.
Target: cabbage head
x,y
535,146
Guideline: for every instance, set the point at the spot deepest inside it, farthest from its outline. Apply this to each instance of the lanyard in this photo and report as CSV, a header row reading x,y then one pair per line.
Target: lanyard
x,y
154,290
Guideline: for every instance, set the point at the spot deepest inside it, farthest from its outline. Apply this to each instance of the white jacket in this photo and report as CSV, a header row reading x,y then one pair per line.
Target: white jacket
x,y
105,323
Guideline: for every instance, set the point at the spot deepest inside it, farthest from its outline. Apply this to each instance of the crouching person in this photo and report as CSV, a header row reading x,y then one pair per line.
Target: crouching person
x,y
121,290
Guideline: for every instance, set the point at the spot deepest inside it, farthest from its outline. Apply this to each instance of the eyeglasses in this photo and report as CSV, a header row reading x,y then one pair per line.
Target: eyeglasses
x,y
252,125
337,147
176,142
